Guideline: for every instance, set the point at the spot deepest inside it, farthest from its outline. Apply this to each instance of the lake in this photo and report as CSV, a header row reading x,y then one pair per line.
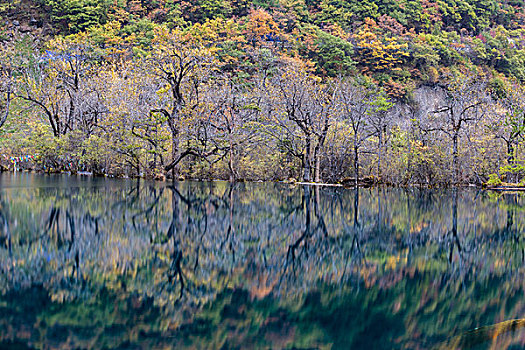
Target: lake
x,y
125,264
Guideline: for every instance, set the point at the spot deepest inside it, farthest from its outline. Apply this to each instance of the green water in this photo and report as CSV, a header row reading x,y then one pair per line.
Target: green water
x,y
94,263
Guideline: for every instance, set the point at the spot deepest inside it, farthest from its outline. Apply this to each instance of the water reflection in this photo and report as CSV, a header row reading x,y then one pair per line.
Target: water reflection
x,y
118,263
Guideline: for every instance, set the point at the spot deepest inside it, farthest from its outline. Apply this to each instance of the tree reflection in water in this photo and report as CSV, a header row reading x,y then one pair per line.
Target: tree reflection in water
x,y
114,263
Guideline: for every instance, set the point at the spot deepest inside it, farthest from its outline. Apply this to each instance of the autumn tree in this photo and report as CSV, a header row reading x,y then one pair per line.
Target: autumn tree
x,y
261,29
375,51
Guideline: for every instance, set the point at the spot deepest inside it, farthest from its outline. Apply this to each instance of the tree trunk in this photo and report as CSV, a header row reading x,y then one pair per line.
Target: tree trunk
x,y
307,169
71,116
5,113
317,174
307,162
510,153
356,208
455,158
356,164
409,161
510,158
230,165
380,155
58,125
155,152
175,152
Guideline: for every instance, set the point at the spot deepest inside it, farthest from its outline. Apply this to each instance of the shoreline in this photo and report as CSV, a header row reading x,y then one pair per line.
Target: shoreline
x,y
500,188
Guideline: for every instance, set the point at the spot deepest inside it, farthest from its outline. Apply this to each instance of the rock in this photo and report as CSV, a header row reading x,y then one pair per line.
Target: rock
x,y
160,177
24,29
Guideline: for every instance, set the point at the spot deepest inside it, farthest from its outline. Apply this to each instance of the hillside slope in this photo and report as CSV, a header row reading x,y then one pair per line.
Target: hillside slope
x,y
399,43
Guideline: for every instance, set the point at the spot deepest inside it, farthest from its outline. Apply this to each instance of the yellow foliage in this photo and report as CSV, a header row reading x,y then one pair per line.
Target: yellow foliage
x,y
378,53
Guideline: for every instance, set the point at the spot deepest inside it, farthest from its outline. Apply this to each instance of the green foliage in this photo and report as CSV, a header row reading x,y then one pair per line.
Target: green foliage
x,y
264,3
345,13
497,88
494,180
201,10
77,15
333,55
92,153
142,32
510,169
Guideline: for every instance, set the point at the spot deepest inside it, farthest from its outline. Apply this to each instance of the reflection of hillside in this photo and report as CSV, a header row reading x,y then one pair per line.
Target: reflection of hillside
x,y
341,316
212,255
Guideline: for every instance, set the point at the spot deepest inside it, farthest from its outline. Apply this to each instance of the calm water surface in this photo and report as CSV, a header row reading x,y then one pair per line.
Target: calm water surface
x,y
100,263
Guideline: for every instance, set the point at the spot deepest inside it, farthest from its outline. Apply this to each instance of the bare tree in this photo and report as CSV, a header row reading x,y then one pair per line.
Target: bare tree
x,y
465,97
356,104
380,122
55,83
233,118
177,70
509,124
304,111
6,85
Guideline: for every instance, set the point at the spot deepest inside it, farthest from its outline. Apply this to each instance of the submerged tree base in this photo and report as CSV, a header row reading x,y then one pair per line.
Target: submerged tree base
x,y
366,182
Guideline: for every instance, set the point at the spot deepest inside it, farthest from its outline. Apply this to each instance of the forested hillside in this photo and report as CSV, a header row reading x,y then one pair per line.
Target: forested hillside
x,y
401,92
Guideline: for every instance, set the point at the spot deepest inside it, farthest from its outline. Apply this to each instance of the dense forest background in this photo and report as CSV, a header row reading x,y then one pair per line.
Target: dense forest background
x,y
400,92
